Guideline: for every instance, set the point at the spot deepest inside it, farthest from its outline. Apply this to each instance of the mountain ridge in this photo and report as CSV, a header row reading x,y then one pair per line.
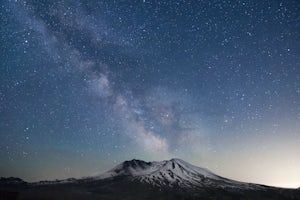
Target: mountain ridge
x,y
137,179
173,172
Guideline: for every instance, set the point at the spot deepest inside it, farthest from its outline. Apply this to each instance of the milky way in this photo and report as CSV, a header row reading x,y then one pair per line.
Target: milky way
x,y
88,84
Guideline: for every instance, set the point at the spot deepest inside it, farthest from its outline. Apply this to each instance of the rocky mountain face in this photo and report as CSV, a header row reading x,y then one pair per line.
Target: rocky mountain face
x,y
137,179
171,173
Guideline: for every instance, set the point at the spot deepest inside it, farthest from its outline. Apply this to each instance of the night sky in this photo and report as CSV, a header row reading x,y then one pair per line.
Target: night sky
x,y
86,85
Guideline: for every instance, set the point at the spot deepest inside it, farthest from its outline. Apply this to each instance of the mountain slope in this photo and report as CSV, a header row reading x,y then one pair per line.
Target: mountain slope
x,y
137,179
171,173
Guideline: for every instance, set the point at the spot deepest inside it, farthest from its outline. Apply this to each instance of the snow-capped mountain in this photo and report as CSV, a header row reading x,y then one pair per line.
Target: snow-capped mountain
x,y
170,173
136,179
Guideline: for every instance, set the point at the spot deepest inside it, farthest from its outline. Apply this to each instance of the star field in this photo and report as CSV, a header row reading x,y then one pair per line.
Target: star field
x,y
88,84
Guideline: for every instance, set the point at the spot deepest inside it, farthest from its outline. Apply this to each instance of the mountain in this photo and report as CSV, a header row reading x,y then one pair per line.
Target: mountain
x,y
170,173
11,181
137,179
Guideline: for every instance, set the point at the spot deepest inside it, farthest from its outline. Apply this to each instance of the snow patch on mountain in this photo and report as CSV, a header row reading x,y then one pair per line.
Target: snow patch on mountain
x,y
174,172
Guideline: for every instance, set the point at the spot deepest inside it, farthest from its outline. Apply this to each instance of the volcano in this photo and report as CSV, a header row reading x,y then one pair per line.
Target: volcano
x,y
170,173
137,179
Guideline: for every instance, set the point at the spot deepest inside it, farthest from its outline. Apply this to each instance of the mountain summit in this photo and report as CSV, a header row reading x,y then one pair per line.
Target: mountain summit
x,y
169,173
136,179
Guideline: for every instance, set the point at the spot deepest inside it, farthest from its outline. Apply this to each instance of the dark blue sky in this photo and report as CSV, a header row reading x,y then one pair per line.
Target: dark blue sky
x,y
88,84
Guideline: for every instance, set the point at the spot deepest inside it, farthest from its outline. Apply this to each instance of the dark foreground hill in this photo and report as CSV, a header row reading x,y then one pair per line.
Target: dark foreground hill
x,y
136,179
